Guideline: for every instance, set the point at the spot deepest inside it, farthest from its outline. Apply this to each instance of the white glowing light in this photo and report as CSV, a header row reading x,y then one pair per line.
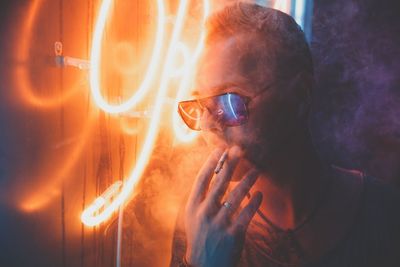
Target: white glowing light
x,y
182,132
95,58
282,5
79,63
230,105
182,49
117,194
93,215
299,12
101,201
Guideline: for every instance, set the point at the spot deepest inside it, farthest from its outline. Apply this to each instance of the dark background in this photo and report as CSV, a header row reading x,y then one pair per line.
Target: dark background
x,y
356,49
356,119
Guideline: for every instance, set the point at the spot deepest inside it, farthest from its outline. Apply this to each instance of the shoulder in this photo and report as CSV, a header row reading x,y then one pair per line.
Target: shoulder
x,y
380,201
374,235
376,193
381,191
377,228
381,204
379,222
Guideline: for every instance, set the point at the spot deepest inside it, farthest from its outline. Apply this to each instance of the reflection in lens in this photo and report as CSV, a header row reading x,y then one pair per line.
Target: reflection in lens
x,y
191,114
230,105
235,109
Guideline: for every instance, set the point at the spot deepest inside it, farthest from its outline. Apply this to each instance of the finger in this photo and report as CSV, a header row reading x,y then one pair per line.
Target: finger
x,y
243,220
224,176
203,178
237,195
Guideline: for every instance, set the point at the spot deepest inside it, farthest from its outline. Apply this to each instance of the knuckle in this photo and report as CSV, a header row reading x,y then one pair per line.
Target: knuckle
x,y
202,213
219,225
206,215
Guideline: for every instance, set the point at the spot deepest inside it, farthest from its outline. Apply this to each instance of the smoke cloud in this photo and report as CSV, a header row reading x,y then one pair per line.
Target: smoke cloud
x,y
356,50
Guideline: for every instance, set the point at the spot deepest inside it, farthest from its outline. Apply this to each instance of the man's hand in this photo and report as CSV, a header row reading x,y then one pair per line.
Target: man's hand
x,y
215,233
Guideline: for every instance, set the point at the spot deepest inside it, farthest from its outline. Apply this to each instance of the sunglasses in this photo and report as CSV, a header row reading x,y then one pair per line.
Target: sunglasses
x,y
229,109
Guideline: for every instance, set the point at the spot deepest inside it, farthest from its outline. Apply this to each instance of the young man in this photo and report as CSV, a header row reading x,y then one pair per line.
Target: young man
x,y
273,202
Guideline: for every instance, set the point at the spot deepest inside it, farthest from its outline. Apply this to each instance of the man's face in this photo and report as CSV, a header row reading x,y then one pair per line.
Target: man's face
x,y
236,65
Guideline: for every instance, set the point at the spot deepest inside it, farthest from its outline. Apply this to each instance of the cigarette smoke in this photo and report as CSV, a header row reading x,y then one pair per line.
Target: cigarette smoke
x,y
356,51
356,48
354,122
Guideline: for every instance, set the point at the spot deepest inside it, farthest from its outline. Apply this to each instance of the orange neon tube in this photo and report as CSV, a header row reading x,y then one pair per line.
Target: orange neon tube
x,y
95,61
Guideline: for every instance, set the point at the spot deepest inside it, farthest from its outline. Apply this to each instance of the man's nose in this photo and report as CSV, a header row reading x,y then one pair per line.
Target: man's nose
x,y
208,122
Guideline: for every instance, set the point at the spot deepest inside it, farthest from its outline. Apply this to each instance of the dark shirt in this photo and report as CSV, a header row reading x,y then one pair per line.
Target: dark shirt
x,y
373,239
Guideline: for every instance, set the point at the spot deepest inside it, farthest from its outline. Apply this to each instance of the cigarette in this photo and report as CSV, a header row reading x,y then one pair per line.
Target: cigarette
x,y
221,162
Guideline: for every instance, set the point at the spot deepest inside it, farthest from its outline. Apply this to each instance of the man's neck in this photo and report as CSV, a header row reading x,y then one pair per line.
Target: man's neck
x,y
291,190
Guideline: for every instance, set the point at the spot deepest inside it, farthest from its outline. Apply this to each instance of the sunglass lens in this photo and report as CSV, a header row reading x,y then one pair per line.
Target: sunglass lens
x,y
230,109
190,112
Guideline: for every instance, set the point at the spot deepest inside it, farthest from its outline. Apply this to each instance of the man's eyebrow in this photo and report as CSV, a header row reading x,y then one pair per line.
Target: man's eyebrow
x,y
217,88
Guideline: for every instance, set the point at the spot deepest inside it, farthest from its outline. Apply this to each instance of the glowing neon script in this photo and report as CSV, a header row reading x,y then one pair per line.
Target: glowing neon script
x,y
98,211
95,61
